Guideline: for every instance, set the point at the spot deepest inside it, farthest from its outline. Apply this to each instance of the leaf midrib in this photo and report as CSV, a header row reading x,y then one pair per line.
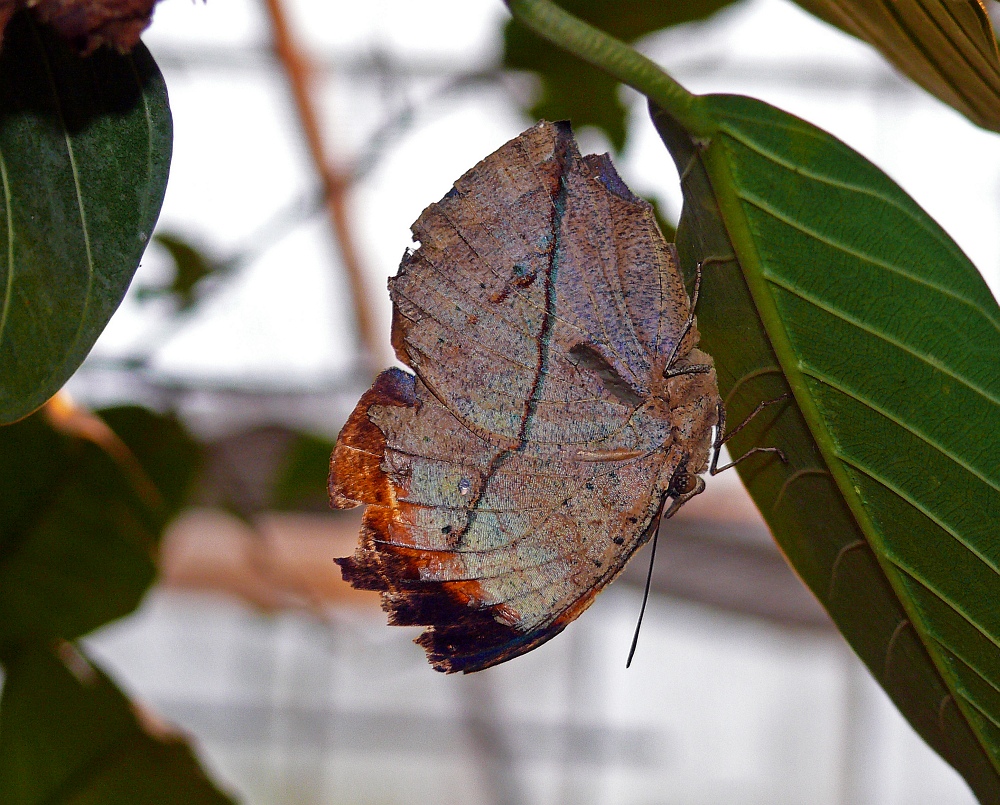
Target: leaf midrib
x,y
906,569
907,498
965,661
71,154
913,572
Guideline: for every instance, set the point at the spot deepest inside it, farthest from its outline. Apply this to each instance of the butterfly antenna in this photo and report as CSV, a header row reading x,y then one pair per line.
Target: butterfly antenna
x,y
645,592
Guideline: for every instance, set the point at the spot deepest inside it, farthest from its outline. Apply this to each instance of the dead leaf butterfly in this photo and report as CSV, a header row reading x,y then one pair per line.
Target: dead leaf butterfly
x,y
559,400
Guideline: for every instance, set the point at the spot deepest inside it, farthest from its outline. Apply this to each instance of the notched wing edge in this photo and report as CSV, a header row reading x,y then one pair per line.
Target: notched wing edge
x,y
459,637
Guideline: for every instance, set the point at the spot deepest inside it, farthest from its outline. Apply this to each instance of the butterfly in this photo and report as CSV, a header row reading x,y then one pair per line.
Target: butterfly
x,y
559,400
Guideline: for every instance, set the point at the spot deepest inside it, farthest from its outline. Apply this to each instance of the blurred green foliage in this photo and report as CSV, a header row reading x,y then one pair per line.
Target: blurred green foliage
x,y
573,90
84,504
80,524
301,480
69,735
191,266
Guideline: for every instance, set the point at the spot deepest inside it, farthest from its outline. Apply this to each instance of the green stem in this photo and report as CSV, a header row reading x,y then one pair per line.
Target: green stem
x,y
614,57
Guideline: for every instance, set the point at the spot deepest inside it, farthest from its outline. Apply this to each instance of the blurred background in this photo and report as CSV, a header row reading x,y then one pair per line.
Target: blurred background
x,y
259,315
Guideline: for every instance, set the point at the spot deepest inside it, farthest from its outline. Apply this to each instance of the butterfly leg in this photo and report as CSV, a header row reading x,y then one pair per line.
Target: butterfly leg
x,y
721,437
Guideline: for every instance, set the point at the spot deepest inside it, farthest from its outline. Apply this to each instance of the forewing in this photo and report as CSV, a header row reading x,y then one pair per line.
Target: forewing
x,y
495,550
535,252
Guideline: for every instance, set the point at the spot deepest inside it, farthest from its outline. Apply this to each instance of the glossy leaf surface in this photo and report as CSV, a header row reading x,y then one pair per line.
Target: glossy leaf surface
x,y
946,46
823,277
69,735
84,152
81,516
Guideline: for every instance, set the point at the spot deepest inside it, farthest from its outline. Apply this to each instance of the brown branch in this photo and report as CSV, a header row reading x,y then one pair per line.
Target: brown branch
x,y
335,183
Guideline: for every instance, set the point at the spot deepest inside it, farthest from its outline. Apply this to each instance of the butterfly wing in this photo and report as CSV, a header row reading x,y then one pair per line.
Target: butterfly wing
x,y
514,476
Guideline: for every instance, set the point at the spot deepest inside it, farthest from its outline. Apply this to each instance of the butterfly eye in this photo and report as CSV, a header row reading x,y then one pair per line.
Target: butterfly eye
x,y
682,483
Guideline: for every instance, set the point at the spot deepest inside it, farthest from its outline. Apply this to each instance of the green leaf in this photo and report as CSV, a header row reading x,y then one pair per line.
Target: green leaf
x,y
949,48
668,228
573,90
168,454
81,515
84,153
69,735
820,275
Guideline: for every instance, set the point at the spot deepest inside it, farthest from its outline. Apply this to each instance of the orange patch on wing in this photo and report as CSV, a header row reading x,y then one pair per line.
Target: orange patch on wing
x,y
356,474
467,592
397,335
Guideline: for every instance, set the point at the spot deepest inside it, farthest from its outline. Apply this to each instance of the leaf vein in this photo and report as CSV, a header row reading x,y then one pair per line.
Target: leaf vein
x,y
913,574
831,181
920,434
764,207
924,357
920,507
965,661
71,155
9,211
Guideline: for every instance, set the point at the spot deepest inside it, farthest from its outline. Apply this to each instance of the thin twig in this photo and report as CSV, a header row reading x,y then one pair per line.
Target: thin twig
x,y
335,184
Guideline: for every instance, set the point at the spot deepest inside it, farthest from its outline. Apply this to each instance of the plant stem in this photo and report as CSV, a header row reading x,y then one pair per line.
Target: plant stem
x,y
614,57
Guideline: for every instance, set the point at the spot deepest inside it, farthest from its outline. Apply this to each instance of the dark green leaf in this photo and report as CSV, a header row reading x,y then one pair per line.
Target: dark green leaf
x,y
68,735
948,47
822,276
84,153
573,90
167,453
80,520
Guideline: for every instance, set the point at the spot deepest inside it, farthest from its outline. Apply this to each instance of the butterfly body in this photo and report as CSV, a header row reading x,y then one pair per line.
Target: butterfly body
x,y
559,399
